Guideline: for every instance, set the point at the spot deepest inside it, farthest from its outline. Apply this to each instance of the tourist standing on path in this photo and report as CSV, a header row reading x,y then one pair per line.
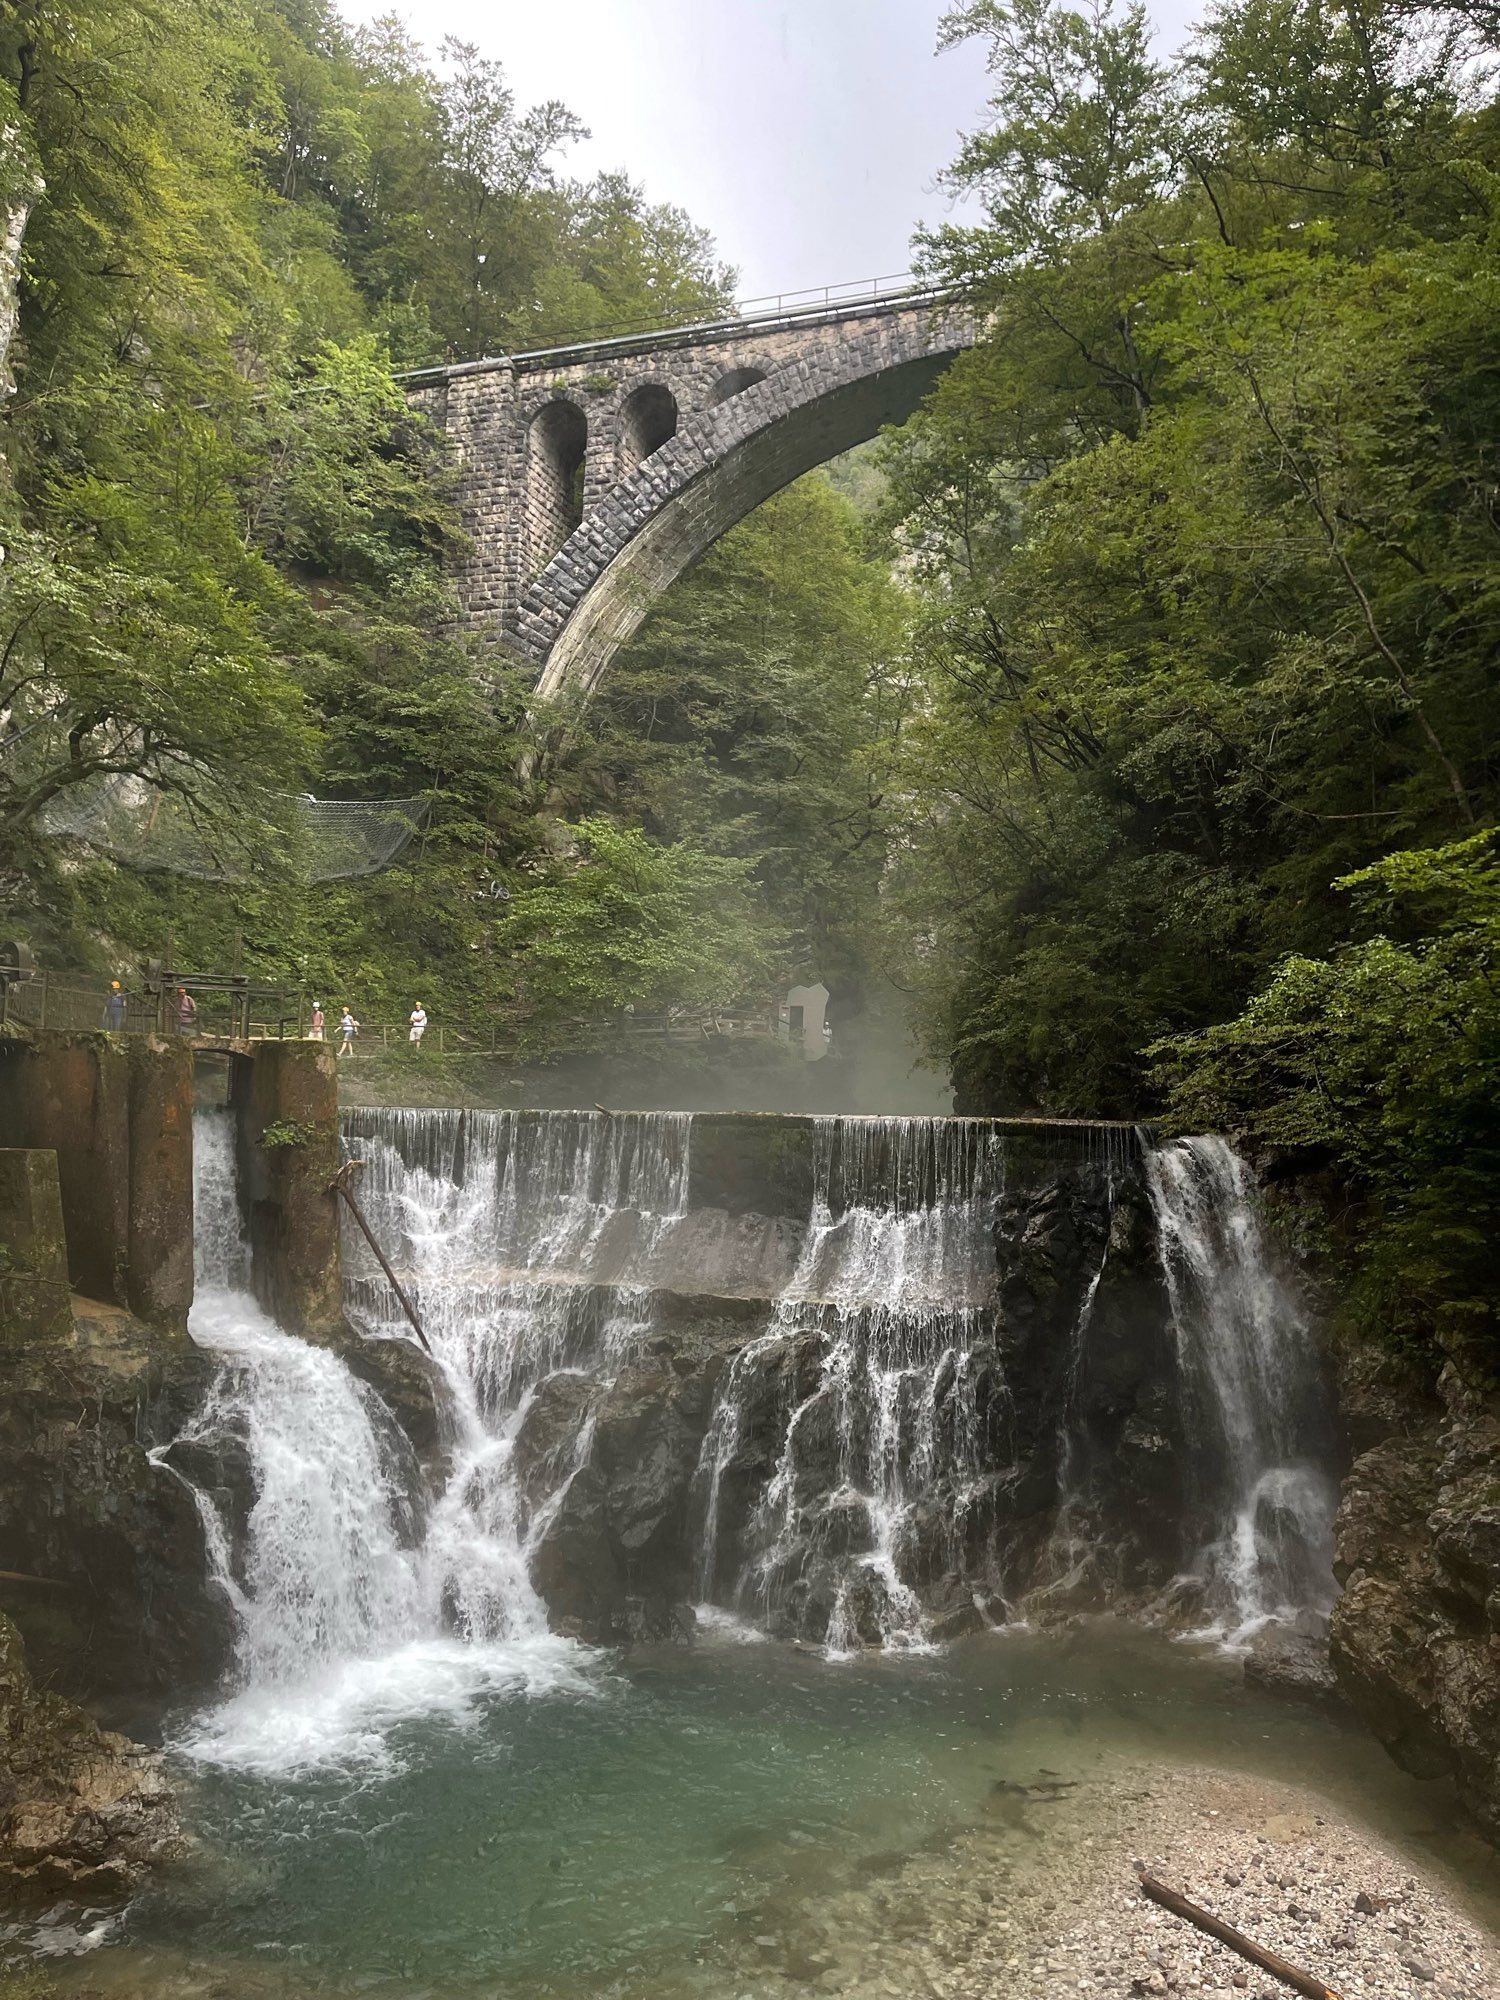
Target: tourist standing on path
x,y
187,1012
315,1026
348,1029
114,1008
418,1023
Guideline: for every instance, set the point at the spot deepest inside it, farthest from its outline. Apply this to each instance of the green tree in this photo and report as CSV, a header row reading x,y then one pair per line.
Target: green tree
x,y
1193,652
628,923
1383,1062
756,714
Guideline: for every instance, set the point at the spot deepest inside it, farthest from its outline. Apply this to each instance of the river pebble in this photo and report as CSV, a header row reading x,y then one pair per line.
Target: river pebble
x,y
1047,1901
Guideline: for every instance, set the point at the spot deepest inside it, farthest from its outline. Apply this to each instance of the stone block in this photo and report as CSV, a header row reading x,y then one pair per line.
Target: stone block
x,y
117,1112
159,1265
70,1094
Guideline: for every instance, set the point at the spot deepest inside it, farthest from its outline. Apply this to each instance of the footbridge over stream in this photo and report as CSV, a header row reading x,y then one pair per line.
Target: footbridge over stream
x,y
592,475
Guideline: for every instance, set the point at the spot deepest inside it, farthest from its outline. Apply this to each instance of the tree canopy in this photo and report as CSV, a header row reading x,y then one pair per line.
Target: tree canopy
x,y
1134,709
1205,543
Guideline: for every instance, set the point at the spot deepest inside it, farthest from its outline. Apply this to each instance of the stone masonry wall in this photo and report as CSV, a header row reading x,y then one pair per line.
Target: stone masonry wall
x,y
824,387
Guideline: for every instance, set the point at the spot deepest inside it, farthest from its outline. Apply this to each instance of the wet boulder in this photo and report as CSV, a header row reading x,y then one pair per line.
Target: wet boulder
x,y
127,1608
83,1812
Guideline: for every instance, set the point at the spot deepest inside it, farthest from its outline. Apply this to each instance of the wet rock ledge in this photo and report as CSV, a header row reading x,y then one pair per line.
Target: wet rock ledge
x,y
1415,1641
83,1812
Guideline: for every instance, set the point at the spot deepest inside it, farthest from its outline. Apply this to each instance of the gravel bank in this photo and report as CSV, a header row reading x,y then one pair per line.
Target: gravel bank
x,y
1043,1901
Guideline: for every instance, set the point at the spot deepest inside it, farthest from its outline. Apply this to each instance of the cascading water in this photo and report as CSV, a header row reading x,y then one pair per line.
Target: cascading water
x,y
1069,1559
339,1599
860,1476
504,1224
888,1308
1257,1407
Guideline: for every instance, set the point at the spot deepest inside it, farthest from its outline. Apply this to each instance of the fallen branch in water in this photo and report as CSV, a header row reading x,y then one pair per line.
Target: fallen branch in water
x,y
1268,1961
340,1185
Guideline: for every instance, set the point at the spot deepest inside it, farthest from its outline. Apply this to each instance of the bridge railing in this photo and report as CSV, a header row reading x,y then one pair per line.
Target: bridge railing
x,y
812,303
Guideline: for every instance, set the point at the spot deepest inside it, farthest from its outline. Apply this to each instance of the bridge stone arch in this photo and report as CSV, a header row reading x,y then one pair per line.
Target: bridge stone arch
x,y
686,433
552,502
648,418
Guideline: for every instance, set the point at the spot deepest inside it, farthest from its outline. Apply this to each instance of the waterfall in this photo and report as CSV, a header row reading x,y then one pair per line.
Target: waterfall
x,y
866,1468
504,1224
324,1576
1255,1402
221,1255
890,1299
1072,1549
338,1597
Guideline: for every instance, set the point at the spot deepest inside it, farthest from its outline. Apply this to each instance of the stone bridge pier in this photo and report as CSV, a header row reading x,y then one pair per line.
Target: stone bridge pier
x,y
592,476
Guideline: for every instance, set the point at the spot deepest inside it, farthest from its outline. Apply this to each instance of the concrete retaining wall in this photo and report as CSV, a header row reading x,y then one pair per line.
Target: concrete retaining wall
x,y
286,1100
118,1115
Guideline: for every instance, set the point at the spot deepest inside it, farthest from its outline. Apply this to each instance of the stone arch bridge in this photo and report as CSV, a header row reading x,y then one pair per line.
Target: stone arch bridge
x,y
592,475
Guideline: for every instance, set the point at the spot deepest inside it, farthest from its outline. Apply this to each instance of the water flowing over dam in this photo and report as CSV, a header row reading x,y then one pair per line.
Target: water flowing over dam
x,y
861,1382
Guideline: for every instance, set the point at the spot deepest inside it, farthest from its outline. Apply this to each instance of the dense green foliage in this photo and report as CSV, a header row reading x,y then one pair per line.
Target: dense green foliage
x,y
1384,1060
1147,735
224,535
634,924
1206,539
757,713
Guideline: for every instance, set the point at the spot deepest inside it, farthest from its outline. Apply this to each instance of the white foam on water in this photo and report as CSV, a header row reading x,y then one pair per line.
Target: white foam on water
x,y
354,1615
352,1711
716,1625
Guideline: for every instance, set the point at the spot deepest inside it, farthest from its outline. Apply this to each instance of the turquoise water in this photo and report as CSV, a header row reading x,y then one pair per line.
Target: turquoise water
x,y
660,1824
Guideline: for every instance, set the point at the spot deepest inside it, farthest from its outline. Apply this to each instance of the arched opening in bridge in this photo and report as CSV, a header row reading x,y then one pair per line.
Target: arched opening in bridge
x,y
734,384
648,417
555,447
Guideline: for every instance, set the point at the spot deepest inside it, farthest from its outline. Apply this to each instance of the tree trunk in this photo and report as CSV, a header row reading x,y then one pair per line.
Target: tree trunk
x,y
16,205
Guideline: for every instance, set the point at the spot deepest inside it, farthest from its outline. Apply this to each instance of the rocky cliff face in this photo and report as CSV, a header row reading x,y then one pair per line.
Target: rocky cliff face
x,y
1415,1638
125,1609
83,1812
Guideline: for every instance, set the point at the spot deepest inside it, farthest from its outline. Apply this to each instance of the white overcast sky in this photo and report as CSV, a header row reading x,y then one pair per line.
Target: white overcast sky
x,y
806,134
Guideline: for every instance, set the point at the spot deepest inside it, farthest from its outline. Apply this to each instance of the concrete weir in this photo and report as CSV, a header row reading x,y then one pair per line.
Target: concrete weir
x,y
96,1173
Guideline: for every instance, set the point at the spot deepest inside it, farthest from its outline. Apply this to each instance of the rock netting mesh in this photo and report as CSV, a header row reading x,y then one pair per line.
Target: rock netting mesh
x,y
194,833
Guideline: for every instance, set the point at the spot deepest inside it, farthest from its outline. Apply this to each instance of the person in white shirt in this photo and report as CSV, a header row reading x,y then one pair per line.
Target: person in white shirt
x,y
348,1029
418,1022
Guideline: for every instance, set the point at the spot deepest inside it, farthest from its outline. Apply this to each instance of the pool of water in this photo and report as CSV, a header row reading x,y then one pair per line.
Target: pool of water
x,y
634,1828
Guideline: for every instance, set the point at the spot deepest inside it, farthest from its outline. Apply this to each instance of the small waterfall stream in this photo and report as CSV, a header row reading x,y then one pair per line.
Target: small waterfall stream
x,y
892,1296
326,1574
502,1224
343,1603
1258,1414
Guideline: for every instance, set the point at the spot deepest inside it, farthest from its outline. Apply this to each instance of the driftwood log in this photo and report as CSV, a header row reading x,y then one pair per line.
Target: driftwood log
x,y
341,1186
1268,1961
